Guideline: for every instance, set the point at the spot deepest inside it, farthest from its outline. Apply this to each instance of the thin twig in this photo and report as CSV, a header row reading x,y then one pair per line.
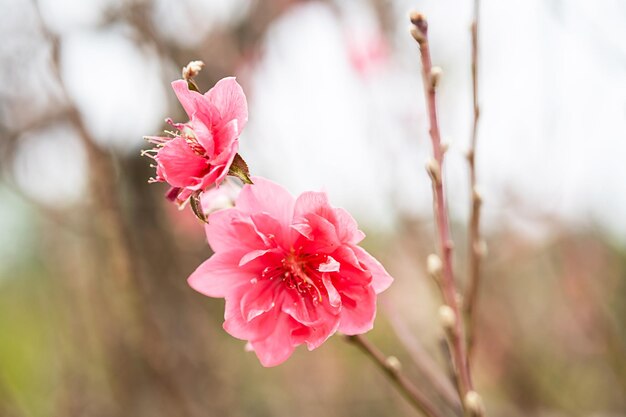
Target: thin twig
x,y
427,367
391,367
454,327
476,245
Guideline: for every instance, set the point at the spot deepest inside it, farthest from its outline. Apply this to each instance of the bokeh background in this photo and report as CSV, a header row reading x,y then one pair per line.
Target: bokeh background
x,y
96,318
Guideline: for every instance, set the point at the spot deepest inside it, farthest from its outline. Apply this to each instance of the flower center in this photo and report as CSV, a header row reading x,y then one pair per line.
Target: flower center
x,y
299,272
194,145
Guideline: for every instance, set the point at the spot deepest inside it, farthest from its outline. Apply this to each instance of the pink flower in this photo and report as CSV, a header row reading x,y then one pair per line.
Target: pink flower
x,y
201,152
218,198
291,271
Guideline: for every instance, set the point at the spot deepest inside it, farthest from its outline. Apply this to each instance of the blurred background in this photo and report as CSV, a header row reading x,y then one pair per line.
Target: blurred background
x,y
96,318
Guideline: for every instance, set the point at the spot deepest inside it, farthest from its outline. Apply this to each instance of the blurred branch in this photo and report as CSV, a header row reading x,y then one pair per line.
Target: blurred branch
x,y
392,368
425,364
452,319
476,244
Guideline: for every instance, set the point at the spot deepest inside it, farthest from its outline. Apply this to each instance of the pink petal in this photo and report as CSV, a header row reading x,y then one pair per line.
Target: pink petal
x,y
237,326
277,347
313,202
179,165
331,265
218,276
347,228
302,309
252,255
224,140
334,298
258,299
358,310
304,229
226,167
322,236
269,197
201,129
229,99
345,255
189,99
315,336
381,280
208,179
229,231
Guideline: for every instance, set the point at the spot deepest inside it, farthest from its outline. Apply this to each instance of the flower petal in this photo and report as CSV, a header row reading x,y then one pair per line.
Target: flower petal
x,y
219,276
224,140
258,299
359,310
334,298
347,228
381,280
189,99
201,129
269,197
277,347
230,231
229,99
316,335
237,326
330,265
179,165
312,202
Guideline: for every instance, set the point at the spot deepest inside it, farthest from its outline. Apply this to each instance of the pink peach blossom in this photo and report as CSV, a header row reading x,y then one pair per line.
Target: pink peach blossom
x,y
202,150
290,270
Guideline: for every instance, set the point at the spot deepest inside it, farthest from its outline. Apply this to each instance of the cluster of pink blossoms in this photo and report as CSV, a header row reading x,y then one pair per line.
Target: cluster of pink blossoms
x,y
290,269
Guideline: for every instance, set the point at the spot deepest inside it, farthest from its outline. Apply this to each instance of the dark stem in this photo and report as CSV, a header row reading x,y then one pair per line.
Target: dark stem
x,y
392,369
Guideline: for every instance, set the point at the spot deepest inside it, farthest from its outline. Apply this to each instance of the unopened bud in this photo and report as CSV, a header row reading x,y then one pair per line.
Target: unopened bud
x,y
393,363
476,195
192,69
419,20
434,170
447,318
417,34
474,403
481,249
444,147
416,17
435,76
434,265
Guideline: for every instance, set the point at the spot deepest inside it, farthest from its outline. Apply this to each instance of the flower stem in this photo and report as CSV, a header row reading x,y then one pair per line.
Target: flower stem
x,y
455,329
476,245
391,367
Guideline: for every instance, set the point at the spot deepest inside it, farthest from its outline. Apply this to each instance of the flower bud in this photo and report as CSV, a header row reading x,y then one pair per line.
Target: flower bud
x,y
474,403
477,195
481,249
393,363
192,69
447,317
434,170
434,265
417,35
435,76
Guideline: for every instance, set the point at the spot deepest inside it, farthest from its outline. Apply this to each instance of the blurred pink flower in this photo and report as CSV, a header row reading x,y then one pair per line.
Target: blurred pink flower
x,y
291,271
201,151
218,198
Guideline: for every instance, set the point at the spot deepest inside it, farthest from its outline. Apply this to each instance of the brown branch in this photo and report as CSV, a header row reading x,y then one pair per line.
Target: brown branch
x,y
475,244
391,366
454,327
